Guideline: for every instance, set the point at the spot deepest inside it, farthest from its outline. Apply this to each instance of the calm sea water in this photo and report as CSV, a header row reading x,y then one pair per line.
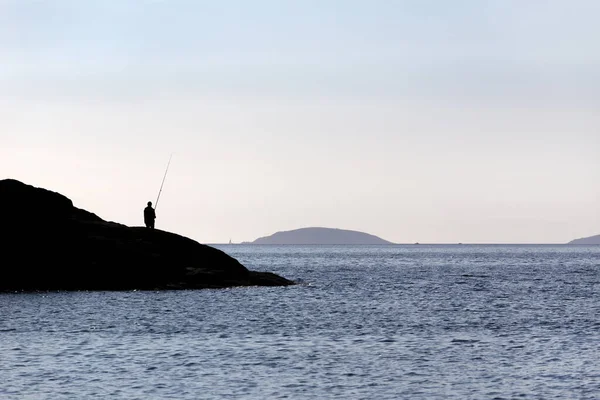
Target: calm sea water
x,y
366,322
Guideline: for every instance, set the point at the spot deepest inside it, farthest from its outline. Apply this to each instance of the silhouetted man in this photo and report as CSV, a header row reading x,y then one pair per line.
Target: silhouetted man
x,y
149,216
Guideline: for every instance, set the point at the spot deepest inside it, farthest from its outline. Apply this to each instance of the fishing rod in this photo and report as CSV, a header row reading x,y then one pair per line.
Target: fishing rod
x,y
163,182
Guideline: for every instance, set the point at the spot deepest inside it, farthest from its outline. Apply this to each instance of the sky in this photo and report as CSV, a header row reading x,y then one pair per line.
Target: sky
x,y
417,121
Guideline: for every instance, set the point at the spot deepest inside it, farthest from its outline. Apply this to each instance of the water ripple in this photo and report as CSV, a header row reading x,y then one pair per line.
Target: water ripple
x,y
418,322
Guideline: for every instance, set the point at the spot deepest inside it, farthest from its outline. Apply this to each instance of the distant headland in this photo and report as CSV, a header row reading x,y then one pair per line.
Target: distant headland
x,y
318,235
587,240
48,244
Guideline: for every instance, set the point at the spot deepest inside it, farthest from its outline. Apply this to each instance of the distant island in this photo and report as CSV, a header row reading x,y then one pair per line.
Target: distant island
x,y
317,235
587,240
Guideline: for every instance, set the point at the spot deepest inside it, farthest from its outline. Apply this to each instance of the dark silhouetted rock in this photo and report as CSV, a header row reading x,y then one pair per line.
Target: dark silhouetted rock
x,y
48,244
587,240
320,236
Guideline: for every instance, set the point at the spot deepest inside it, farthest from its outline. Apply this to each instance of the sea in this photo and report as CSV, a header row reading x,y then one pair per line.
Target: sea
x,y
363,322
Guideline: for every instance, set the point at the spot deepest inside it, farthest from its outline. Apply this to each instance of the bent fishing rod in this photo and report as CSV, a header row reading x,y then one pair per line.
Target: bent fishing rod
x,y
163,182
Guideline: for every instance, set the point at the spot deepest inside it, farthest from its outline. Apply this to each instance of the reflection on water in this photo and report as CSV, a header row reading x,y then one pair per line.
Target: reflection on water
x,y
366,322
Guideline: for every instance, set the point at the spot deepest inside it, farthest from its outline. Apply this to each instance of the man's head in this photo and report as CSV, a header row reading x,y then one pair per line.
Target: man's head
x,y
149,204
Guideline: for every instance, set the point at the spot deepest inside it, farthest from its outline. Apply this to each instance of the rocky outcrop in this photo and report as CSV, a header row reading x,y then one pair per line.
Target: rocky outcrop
x,y
48,244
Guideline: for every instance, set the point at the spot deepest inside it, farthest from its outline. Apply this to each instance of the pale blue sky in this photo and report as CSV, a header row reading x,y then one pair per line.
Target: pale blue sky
x,y
430,121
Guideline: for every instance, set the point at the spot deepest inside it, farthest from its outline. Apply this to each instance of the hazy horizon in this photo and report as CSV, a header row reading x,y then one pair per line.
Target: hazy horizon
x,y
415,121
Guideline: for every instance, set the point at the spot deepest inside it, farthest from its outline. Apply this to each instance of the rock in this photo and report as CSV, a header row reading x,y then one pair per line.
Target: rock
x,y
48,244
